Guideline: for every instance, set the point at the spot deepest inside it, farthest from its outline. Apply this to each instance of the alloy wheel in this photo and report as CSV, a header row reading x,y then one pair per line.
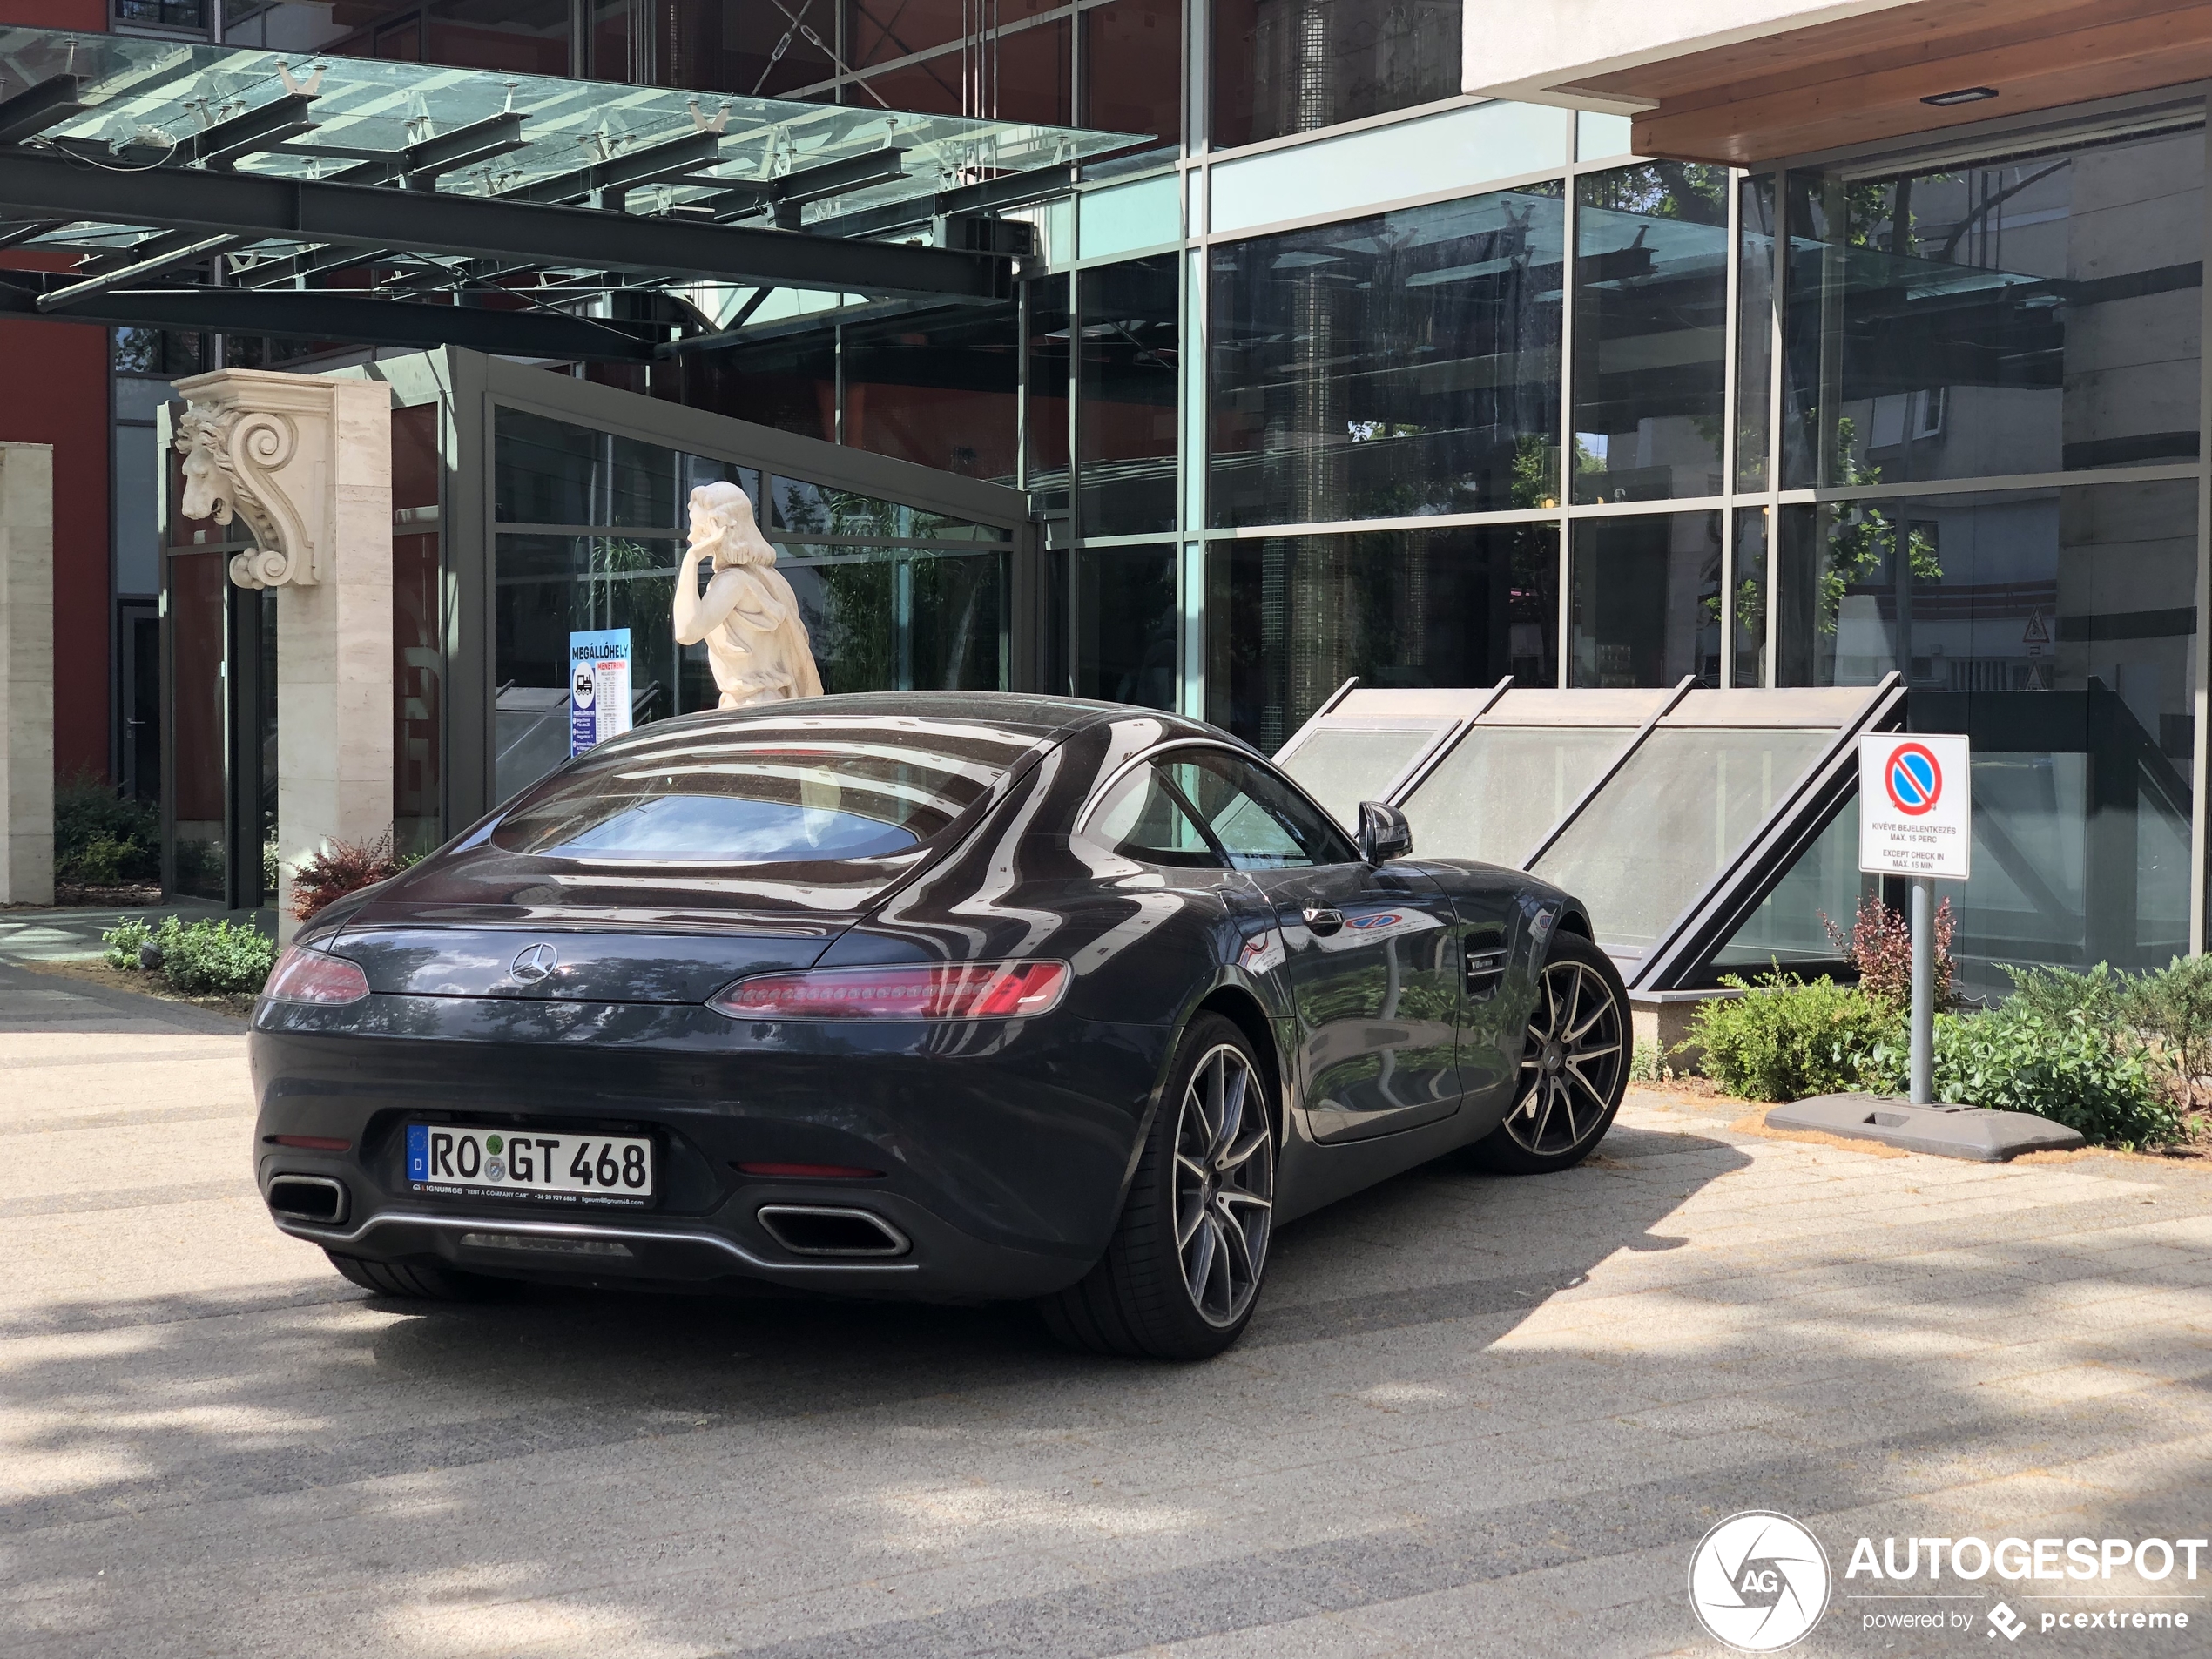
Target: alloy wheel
x,y
1570,1062
1224,1186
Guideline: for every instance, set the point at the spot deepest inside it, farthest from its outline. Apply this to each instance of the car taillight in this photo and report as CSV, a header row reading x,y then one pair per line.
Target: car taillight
x,y
304,975
939,991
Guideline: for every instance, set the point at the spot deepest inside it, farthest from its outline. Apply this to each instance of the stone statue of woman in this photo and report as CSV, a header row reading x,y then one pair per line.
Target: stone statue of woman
x,y
756,640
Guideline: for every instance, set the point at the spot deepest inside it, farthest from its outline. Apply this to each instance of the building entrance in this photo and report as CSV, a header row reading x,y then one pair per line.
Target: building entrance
x,y
526,505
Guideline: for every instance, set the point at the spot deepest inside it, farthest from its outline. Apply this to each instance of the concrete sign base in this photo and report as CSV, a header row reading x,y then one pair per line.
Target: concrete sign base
x,y
1946,1131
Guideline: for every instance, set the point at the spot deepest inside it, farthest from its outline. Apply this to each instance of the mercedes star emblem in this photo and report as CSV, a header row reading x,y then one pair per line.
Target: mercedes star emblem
x,y
535,963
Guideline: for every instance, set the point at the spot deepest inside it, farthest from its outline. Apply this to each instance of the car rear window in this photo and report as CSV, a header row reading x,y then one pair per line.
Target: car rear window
x,y
777,792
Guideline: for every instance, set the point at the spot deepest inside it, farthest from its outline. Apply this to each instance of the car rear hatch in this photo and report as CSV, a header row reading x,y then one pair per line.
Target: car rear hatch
x,y
487,923
673,861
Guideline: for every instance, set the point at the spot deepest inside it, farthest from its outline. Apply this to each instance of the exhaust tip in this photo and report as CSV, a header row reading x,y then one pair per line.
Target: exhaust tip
x,y
309,1197
819,1230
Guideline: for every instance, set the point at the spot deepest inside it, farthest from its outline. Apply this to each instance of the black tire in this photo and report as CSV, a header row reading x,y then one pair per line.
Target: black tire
x,y
421,1281
1575,1065
1207,1173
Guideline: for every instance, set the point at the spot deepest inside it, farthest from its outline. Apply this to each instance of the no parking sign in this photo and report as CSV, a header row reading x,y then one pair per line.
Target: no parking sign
x,y
1915,806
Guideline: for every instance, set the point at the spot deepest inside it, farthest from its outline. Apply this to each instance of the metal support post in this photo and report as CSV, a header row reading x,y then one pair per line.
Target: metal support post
x,y
1923,991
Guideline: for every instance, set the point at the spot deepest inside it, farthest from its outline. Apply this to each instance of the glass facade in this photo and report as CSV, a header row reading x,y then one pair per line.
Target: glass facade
x,y
894,597
1644,600
1285,66
1128,378
2039,313
1290,618
1650,332
1383,382
1406,364
1752,429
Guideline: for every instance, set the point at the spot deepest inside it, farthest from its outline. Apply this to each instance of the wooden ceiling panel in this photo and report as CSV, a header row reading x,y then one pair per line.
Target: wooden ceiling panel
x,y
1848,83
1896,34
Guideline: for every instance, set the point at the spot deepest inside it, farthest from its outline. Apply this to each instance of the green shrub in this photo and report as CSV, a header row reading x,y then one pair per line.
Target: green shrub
x,y
2057,993
122,941
2067,1068
100,862
1784,1039
2172,1008
100,837
215,957
1643,1061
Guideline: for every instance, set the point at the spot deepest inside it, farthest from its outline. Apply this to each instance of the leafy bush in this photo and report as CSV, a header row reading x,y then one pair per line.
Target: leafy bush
x,y
101,862
214,956
2059,992
2172,1009
1879,945
1784,1039
2065,1046
1643,1061
2067,1068
100,837
341,868
122,941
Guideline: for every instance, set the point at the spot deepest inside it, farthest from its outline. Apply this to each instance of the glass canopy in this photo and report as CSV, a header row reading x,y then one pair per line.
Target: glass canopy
x,y
1343,756
145,98
1676,816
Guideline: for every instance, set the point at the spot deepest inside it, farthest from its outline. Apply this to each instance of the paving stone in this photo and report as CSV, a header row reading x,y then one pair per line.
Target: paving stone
x,y
1477,1415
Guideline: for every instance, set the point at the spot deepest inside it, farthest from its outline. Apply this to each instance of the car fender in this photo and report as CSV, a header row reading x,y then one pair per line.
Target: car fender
x,y
1258,993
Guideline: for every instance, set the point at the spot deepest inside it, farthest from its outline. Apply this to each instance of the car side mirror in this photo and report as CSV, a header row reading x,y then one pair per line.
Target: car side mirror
x,y
1384,834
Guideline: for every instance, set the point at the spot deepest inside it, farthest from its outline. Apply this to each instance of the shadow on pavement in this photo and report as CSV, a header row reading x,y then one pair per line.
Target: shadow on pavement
x,y
696,1468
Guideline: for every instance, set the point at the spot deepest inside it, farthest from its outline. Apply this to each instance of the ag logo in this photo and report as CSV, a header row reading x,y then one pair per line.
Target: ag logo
x,y
1758,1581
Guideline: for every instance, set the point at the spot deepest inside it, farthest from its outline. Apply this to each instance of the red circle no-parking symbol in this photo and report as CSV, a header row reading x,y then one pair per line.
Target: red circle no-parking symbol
x,y
1915,781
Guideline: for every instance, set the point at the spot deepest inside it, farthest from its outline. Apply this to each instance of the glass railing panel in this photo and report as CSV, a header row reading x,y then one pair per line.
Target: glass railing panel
x,y
1502,786
1340,767
1671,819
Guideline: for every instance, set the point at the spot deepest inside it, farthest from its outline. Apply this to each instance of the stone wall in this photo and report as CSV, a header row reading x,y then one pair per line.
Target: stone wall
x,y
26,673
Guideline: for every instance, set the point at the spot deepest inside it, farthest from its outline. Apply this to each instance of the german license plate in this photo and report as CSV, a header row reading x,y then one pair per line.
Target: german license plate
x,y
470,1160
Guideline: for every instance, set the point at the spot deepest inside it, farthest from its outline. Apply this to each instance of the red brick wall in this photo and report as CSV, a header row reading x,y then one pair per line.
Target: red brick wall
x,y
56,379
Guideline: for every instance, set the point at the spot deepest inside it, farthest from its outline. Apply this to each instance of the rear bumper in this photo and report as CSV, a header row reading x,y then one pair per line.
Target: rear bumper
x,y
939,1265
1003,1154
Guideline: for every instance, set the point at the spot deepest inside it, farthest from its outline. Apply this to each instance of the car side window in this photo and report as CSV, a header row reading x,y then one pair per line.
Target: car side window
x,y
1141,818
1261,823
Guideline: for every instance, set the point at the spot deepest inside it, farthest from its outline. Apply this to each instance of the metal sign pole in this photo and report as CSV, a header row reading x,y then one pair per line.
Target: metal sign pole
x,y
1916,817
1923,991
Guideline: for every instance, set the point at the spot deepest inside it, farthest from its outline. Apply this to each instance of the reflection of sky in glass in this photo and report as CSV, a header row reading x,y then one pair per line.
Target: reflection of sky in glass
x,y
137,85
722,826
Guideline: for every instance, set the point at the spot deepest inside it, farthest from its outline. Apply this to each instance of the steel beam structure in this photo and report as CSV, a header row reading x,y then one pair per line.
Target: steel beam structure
x,y
618,175
34,185
43,105
356,318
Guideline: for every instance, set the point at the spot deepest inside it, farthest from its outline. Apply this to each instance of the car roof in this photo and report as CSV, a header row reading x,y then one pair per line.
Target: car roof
x,y
1041,717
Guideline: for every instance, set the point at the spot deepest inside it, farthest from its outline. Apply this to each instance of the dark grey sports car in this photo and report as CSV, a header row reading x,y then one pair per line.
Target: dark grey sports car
x,y
943,997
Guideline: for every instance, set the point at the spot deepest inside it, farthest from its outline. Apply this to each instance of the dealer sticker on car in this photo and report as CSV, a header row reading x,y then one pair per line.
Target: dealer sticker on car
x,y
464,1160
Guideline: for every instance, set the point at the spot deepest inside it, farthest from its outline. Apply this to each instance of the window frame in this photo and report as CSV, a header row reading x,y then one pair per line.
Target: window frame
x,y
1248,756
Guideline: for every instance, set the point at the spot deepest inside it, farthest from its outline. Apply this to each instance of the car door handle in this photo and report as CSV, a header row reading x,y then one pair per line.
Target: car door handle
x,y
1321,919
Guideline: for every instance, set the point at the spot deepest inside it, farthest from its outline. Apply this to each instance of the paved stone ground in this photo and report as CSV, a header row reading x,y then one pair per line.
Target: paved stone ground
x,y
28,934
1475,1416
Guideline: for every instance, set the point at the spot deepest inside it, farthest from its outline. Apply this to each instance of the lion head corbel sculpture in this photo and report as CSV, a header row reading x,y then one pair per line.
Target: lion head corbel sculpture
x,y
232,456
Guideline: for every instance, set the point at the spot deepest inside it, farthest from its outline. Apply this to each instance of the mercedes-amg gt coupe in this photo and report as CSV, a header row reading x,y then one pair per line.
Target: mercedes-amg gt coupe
x,y
943,997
